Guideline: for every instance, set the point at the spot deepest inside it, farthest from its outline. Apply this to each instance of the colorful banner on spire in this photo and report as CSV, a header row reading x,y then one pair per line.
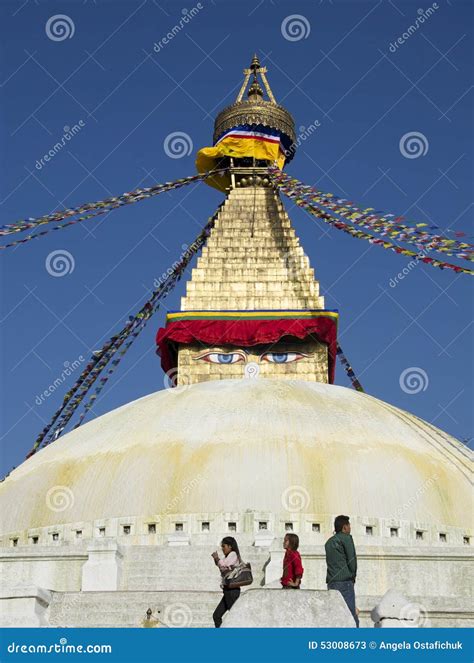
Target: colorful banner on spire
x,y
246,140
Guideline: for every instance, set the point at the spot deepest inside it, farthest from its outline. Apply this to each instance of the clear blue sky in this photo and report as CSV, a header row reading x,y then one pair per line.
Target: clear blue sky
x,y
130,98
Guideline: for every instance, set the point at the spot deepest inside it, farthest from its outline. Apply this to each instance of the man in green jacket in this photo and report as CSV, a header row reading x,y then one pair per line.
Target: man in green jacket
x,y
341,561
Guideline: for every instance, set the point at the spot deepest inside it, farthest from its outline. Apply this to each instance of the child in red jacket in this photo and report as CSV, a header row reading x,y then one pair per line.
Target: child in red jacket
x,y
292,566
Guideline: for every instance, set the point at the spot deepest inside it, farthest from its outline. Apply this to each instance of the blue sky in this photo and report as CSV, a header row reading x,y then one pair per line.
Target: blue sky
x,y
339,71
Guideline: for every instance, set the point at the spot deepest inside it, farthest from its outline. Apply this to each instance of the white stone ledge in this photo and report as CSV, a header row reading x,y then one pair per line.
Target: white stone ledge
x,y
24,605
26,591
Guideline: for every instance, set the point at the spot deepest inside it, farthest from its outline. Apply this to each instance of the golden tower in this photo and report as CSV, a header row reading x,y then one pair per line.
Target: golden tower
x,y
253,267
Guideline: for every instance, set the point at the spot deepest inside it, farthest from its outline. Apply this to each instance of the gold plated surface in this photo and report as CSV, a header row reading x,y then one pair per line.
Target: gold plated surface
x,y
255,109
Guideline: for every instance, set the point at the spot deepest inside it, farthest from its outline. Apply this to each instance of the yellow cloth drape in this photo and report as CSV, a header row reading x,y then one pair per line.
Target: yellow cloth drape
x,y
207,158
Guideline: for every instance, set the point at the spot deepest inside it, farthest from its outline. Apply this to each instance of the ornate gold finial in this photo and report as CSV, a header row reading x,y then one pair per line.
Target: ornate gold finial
x,y
255,64
255,92
255,109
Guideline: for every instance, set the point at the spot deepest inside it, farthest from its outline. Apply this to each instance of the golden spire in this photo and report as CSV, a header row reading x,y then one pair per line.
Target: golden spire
x,y
255,64
255,92
255,109
255,69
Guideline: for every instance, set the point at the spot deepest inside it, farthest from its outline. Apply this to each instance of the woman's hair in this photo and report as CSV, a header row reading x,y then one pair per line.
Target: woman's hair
x,y
230,541
293,540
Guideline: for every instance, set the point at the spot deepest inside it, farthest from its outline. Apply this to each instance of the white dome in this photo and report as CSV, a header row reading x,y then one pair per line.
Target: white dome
x,y
238,445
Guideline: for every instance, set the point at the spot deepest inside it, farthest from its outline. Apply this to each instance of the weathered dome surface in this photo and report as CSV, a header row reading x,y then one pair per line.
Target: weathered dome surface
x,y
234,445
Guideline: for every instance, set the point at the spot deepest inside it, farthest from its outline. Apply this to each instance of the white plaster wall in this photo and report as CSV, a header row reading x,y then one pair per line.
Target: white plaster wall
x,y
57,570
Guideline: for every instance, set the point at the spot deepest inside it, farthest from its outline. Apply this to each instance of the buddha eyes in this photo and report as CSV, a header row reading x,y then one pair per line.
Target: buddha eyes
x,y
282,357
236,357
222,357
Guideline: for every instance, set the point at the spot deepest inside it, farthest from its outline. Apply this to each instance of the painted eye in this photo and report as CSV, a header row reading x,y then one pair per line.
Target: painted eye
x,y
282,357
222,357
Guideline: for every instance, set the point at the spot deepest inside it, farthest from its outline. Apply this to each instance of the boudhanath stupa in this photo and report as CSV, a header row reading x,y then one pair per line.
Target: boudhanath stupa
x,y
253,440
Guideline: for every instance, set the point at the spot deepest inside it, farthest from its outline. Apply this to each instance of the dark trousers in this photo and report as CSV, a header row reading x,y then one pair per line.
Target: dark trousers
x,y
227,601
346,588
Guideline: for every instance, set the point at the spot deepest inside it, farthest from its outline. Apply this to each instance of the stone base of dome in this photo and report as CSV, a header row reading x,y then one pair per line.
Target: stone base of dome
x,y
438,578
34,606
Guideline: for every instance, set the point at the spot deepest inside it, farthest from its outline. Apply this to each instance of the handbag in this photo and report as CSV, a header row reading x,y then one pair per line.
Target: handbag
x,y
240,576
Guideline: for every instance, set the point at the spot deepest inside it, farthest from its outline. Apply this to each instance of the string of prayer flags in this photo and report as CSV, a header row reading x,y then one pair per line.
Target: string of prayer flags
x,y
27,238
112,351
387,225
349,370
290,187
97,208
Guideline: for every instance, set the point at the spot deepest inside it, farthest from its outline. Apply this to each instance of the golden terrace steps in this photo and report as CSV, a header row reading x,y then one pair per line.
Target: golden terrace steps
x,y
253,236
